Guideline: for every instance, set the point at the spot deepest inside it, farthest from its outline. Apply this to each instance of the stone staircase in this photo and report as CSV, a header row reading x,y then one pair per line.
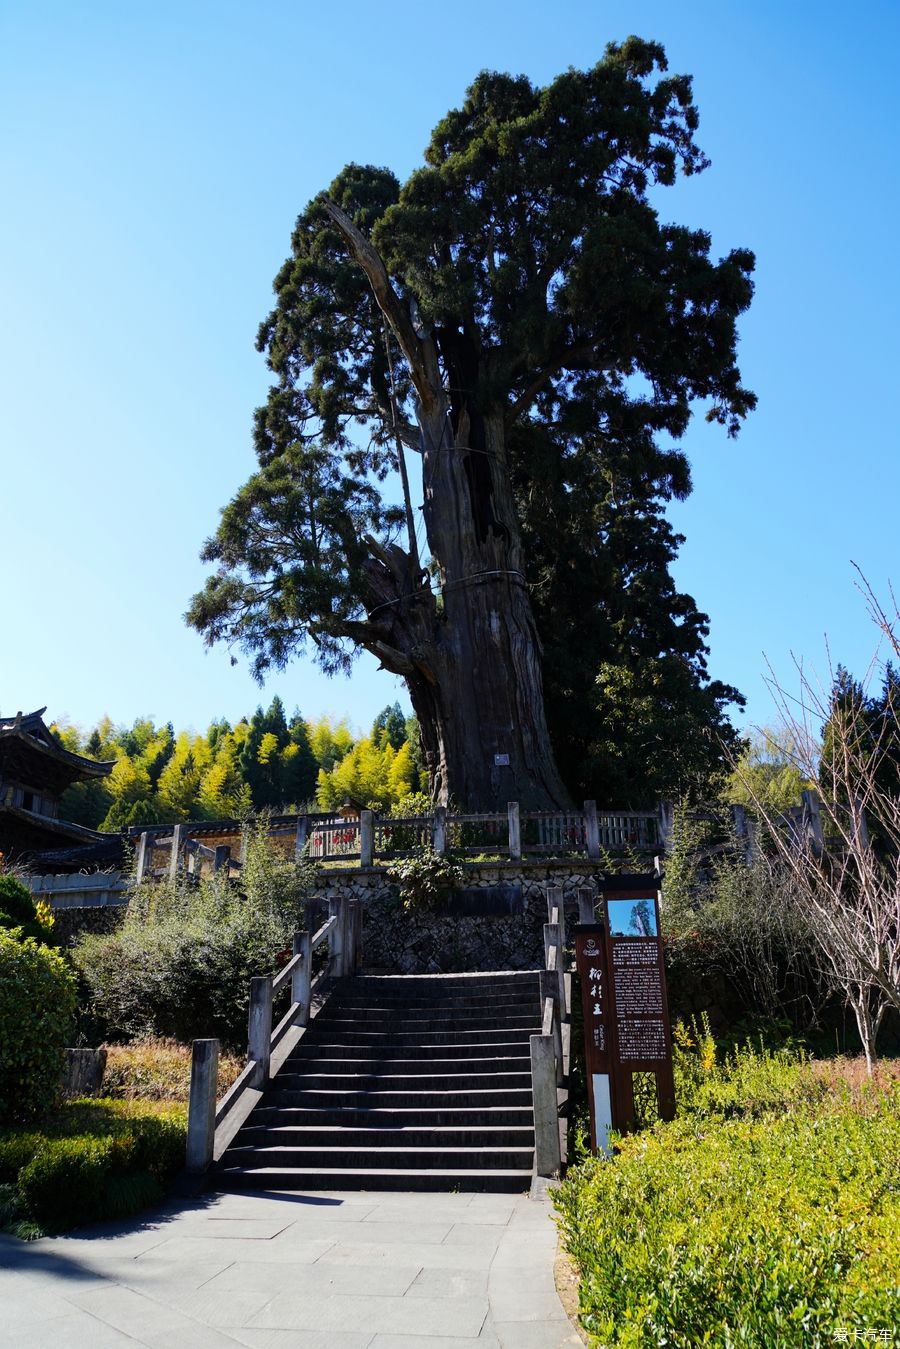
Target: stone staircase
x,y
401,1082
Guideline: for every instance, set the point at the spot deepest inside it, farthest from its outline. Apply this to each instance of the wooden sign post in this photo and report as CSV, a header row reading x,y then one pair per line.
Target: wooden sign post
x,y
626,1027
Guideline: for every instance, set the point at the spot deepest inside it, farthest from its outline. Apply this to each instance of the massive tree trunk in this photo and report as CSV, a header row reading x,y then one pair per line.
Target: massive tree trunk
x,y
477,686
471,654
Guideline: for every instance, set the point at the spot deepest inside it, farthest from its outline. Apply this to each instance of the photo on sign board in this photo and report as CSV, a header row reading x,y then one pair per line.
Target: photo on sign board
x,y
631,917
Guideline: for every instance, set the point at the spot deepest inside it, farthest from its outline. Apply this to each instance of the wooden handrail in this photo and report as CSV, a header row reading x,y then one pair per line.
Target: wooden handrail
x,y
285,1024
281,978
324,931
234,1092
547,1064
212,1126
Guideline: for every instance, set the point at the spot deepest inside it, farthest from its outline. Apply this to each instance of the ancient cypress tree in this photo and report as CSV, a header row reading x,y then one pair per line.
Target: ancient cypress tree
x,y
516,295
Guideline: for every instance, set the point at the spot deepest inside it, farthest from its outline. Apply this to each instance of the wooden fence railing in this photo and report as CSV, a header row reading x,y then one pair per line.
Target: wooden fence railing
x,y
368,838
212,1126
513,833
180,851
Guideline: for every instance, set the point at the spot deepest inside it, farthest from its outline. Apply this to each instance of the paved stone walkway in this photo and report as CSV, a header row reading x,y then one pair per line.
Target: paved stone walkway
x,y
294,1271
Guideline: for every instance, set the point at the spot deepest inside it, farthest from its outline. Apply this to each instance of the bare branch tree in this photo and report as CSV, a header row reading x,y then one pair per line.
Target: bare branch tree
x,y
846,886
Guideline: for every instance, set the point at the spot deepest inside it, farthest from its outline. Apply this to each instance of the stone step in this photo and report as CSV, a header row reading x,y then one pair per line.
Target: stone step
x,y
376,1178
444,1002
490,979
398,1033
441,997
429,1019
421,1096
283,1134
392,1048
363,1083
401,1082
400,1158
462,1066
426,1117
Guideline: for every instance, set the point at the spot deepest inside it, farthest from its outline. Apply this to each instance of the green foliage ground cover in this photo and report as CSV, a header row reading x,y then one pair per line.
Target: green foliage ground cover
x,y
767,1214
86,1161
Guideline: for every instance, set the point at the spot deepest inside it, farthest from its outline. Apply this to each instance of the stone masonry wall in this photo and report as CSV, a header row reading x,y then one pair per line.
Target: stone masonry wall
x,y
459,937
505,933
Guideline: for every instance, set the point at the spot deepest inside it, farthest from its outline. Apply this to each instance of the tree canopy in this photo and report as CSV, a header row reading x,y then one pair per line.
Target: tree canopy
x,y
517,314
264,762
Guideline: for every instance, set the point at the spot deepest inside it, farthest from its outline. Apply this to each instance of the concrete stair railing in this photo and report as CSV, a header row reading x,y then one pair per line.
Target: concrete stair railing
x,y
212,1125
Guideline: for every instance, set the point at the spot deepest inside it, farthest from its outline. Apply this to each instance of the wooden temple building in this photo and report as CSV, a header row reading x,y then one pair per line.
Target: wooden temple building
x,y
35,770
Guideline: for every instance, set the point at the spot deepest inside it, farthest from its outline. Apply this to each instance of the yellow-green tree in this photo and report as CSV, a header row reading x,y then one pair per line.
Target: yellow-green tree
x,y
179,784
769,773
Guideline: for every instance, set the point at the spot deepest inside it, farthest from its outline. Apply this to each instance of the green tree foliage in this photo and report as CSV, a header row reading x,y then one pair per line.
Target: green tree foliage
x,y
389,727
372,774
266,763
864,728
767,773
633,713
518,314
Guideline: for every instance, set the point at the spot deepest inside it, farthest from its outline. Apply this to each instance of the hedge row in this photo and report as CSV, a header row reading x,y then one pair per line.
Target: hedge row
x,y
37,1018
780,1227
93,1160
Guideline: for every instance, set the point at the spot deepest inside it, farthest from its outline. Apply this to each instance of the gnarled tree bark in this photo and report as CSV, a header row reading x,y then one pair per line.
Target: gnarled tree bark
x,y
470,656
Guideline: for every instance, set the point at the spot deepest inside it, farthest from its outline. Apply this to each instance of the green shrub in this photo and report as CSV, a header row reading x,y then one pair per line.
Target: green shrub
x,y
15,1151
20,913
748,1080
425,877
65,1182
779,1229
91,1160
180,964
37,1011
734,935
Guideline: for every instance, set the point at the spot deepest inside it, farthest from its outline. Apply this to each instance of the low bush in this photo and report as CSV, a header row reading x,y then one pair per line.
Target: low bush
x,y
746,1080
733,932
767,1214
425,877
37,1016
91,1160
180,964
20,913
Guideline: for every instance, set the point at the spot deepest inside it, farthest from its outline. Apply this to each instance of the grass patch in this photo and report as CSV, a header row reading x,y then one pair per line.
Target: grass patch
x,y
89,1160
767,1214
157,1069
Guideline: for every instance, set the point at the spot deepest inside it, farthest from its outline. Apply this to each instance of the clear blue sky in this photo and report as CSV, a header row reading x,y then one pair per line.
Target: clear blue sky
x,y
155,156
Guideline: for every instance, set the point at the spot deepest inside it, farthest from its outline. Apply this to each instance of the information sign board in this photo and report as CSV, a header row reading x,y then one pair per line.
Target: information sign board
x,y
627,1028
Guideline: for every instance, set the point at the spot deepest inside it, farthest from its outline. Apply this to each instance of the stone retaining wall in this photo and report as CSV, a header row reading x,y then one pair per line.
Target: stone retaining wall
x,y
505,932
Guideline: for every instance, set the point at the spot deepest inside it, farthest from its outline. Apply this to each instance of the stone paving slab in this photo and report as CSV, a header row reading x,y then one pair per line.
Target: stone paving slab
x,y
294,1271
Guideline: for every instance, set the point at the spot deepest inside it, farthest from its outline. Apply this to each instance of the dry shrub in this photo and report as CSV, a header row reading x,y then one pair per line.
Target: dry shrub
x,y
157,1069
